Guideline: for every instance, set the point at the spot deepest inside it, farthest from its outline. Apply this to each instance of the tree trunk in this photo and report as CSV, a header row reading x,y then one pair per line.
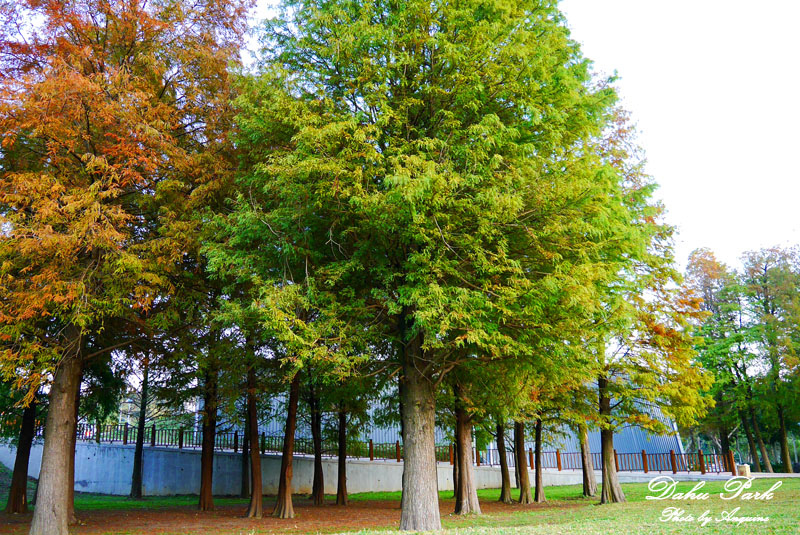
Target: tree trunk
x,y
209,439
785,458
420,503
456,456
244,489
136,478
341,482
18,493
587,466
466,491
505,487
283,508
760,442
318,484
725,447
521,464
538,496
255,509
51,515
74,444
611,491
751,443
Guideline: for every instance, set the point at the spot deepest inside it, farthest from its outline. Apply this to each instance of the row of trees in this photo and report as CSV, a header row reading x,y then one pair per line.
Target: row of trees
x,y
751,344
436,196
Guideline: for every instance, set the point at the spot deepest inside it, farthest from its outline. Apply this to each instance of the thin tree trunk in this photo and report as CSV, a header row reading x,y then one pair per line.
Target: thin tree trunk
x,y
51,515
136,478
587,466
420,503
760,442
209,438
18,493
341,482
725,447
400,397
283,507
611,491
244,489
785,457
466,491
525,496
456,456
751,443
505,487
318,484
73,519
538,495
255,509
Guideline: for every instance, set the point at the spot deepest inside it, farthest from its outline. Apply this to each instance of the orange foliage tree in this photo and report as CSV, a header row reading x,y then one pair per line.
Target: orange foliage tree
x,y
114,119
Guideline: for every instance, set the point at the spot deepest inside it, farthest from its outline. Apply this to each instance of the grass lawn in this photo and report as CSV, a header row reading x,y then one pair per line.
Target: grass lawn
x,y
566,512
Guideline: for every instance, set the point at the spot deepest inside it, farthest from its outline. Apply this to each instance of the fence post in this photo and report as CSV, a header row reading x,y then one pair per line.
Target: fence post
x,y
732,463
153,436
180,438
263,442
616,459
450,448
235,441
125,435
558,460
673,461
530,457
371,451
702,461
397,450
644,461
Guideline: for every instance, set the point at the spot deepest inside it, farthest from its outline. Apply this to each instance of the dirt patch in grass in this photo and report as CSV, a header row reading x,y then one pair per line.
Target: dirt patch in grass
x,y
186,520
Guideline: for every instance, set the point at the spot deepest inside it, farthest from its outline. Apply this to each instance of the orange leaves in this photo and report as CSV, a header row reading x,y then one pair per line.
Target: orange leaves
x,y
105,103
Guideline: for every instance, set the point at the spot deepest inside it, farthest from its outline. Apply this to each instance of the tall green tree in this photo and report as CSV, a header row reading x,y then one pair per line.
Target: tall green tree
x,y
435,155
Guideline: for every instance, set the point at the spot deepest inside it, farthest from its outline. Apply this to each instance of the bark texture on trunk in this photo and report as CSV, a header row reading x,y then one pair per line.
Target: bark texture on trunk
x,y
341,480
51,515
760,442
18,493
466,491
538,496
255,509
587,466
206,502
318,484
751,443
420,503
611,491
521,464
505,486
283,507
785,457
136,478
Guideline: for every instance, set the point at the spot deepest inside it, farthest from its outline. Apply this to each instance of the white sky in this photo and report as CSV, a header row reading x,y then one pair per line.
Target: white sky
x,y
713,88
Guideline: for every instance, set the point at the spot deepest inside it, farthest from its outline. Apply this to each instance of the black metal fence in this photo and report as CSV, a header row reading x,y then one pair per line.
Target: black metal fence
x,y
232,440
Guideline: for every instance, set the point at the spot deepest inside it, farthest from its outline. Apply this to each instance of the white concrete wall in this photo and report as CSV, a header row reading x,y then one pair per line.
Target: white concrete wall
x,y
106,469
